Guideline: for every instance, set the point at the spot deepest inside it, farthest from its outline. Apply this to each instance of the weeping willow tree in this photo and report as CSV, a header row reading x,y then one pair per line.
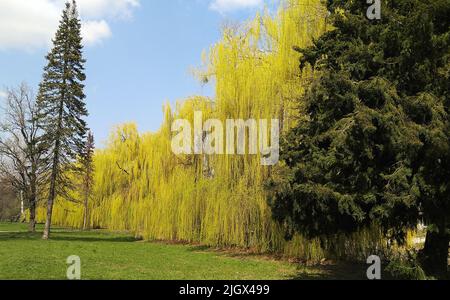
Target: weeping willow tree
x,y
142,187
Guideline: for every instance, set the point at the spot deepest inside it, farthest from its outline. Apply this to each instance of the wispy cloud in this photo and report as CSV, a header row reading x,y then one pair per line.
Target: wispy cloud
x,y
28,25
3,94
224,6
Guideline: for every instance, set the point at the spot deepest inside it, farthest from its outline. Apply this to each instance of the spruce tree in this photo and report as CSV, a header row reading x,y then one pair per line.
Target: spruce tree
x,y
62,106
373,145
87,165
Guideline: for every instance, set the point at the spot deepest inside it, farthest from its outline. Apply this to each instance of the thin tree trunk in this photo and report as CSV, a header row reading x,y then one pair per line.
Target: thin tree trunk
x,y
55,166
52,194
51,200
32,225
86,212
32,201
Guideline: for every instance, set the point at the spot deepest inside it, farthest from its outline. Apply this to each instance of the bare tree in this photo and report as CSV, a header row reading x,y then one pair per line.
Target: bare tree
x,y
22,161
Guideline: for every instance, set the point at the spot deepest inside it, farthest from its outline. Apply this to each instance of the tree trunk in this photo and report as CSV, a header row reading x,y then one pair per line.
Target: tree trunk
x,y
434,256
32,202
55,168
52,194
48,221
32,225
51,198
86,212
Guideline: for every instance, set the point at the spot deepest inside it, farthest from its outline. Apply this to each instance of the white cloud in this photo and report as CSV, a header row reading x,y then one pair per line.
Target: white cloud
x,y
107,8
224,6
3,94
28,25
95,32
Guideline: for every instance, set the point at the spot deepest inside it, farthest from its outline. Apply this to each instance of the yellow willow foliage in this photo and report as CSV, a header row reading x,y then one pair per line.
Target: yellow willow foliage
x,y
67,212
142,187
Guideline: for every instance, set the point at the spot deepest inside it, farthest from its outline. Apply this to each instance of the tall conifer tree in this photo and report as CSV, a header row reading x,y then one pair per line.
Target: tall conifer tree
x,y
374,143
62,106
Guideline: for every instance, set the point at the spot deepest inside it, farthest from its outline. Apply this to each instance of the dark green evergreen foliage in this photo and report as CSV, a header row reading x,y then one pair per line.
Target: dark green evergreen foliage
x,y
61,103
374,143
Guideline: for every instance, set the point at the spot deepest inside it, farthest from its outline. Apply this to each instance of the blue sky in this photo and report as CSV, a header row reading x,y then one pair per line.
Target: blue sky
x,y
139,52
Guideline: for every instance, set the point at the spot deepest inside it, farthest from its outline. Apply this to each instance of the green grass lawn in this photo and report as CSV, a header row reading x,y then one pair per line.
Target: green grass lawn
x,y
119,256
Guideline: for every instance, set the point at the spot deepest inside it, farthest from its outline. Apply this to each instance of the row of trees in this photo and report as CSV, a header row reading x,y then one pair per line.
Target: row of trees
x,y
366,150
221,201
143,188
44,138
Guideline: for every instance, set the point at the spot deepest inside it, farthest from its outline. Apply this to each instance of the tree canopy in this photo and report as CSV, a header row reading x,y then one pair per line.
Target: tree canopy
x,y
373,144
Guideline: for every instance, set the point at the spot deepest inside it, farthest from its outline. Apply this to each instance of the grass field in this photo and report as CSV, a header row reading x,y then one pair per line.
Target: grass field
x,y
119,256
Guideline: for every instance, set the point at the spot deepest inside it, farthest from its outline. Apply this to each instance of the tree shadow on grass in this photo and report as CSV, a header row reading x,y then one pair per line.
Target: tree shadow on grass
x,y
95,239
331,271
14,236
67,237
337,271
